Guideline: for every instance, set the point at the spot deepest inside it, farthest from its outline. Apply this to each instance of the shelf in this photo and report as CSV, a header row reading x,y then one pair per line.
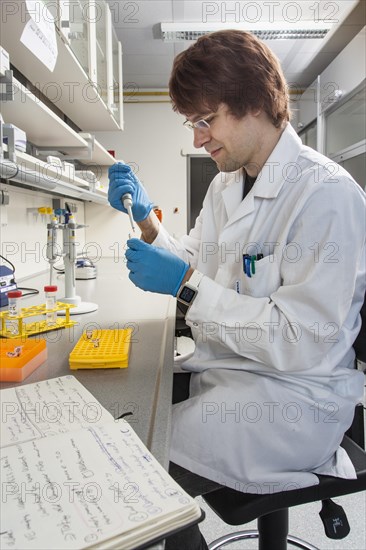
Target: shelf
x,y
68,86
102,190
101,157
42,126
27,108
41,175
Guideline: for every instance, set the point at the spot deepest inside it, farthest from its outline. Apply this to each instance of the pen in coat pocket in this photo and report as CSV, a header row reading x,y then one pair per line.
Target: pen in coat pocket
x,y
249,263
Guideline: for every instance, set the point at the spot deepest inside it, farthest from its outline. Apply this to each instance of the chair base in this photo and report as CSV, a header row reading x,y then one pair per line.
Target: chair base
x,y
254,534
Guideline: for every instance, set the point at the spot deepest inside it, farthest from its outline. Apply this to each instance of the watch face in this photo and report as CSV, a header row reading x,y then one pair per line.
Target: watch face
x,y
187,294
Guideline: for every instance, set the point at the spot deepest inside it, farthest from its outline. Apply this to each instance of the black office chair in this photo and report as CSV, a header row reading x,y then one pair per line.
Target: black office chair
x,y
271,511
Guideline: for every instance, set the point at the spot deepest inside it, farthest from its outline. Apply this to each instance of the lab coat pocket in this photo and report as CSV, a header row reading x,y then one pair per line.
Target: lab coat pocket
x,y
265,280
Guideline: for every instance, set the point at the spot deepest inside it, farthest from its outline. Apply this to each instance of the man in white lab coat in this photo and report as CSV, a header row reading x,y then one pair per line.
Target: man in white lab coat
x,y
272,277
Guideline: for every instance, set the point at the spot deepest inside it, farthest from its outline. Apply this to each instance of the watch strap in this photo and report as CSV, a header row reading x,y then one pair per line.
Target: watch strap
x,y
195,279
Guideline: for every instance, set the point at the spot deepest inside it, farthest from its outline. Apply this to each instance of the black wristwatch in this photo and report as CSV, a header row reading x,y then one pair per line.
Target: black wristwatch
x,y
188,291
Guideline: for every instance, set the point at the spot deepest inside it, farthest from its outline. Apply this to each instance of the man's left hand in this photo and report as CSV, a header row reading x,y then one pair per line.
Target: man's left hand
x,y
154,269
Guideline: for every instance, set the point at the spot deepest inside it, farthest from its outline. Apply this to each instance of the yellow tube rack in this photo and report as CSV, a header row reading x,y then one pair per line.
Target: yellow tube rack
x,y
102,349
29,329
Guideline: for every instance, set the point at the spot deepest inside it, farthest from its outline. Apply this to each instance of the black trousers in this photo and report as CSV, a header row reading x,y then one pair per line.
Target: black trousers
x,y
195,485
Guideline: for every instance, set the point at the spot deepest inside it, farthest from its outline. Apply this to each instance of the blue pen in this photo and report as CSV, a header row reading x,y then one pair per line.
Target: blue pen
x,y
245,264
249,263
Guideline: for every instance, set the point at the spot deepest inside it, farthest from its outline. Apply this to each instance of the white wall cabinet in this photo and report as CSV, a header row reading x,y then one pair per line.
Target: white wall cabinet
x,y
332,110
85,85
345,134
346,122
73,86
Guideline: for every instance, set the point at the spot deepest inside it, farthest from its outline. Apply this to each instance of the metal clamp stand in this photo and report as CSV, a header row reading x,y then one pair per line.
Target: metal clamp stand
x,y
69,256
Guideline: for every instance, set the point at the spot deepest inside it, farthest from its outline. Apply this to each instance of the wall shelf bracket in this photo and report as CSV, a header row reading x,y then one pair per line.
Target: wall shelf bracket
x,y
7,83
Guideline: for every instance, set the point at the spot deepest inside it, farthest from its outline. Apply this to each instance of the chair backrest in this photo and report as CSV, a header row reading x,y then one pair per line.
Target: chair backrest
x,y
357,430
360,342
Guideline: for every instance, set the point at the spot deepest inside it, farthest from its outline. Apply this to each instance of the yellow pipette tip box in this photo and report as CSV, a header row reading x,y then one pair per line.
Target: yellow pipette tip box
x,y
19,357
101,349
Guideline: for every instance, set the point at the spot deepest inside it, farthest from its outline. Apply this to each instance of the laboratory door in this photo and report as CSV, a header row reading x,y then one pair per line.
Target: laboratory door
x,y
201,171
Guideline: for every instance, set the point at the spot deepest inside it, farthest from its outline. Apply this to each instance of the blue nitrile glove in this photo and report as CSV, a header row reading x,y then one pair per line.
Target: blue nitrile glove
x,y
122,180
154,269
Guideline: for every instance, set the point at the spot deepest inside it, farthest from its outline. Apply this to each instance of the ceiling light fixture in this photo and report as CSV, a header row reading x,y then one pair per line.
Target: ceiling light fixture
x,y
180,32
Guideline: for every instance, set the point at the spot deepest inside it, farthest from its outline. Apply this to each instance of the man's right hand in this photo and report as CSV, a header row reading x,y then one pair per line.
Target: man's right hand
x,y
122,180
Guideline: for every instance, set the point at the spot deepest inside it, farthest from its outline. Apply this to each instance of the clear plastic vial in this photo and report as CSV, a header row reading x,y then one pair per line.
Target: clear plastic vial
x,y
15,298
50,294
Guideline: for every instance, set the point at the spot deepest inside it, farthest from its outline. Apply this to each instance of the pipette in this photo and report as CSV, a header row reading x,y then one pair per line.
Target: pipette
x,y
127,203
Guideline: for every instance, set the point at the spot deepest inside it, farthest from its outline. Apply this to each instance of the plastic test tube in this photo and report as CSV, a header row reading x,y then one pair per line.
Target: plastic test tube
x,y
15,298
50,294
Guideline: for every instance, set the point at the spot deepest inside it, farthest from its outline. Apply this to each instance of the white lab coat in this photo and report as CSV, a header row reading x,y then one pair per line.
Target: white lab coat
x,y
273,387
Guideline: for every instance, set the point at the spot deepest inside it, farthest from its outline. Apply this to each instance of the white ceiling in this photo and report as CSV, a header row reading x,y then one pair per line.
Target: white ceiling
x,y
147,60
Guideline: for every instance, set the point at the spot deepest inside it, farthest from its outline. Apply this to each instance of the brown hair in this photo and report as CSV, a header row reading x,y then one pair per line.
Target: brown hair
x,y
231,67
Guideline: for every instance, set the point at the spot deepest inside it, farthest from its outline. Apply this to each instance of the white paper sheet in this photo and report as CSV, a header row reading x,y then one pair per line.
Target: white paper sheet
x,y
39,34
47,408
76,490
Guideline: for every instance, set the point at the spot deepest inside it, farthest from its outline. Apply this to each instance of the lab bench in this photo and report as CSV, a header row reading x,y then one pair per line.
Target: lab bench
x,y
144,388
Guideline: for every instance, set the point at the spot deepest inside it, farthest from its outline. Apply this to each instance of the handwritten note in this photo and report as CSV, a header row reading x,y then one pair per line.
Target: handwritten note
x,y
84,487
47,408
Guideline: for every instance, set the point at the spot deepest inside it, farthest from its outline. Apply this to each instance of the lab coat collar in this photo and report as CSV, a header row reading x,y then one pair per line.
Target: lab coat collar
x,y
273,174
269,181
232,195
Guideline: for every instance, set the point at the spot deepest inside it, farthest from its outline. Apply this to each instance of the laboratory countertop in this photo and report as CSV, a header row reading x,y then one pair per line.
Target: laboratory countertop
x,y
144,388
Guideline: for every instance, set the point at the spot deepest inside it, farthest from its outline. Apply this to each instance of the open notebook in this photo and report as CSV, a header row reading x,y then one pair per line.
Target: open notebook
x,y
73,477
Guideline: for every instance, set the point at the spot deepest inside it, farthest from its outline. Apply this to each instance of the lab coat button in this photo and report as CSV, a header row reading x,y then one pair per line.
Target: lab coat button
x,y
195,324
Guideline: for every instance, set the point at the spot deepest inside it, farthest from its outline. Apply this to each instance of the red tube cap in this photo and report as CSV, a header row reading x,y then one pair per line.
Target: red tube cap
x,y
14,294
